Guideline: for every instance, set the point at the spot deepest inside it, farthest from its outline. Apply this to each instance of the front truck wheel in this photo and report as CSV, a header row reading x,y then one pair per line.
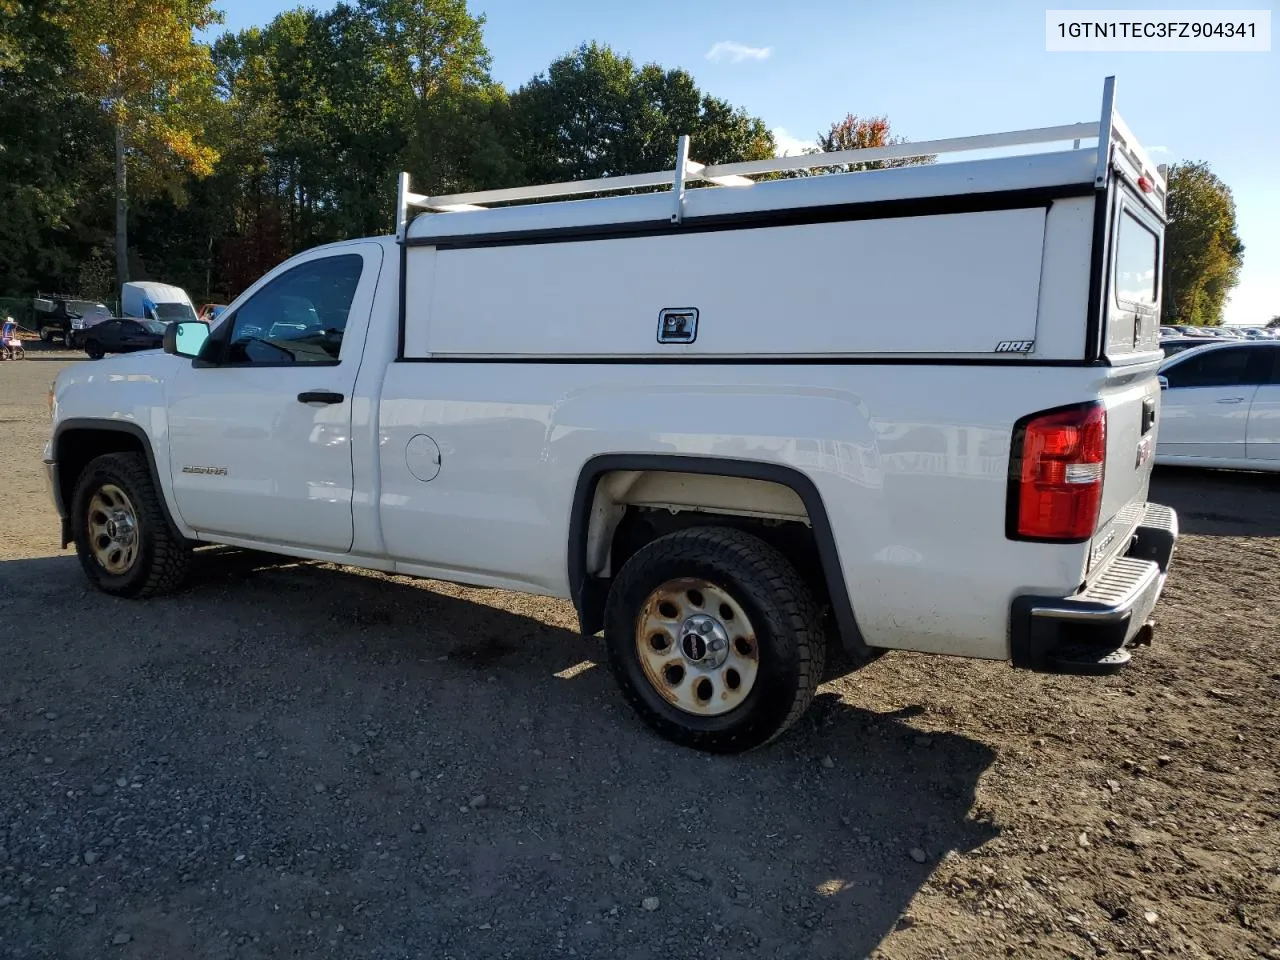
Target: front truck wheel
x,y
124,540
714,638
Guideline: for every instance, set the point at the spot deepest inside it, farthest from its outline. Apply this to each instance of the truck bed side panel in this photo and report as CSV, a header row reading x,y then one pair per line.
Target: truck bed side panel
x,y
913,480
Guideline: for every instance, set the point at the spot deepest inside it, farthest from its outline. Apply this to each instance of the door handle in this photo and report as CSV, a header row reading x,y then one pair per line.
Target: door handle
x,y
320,396
1231,400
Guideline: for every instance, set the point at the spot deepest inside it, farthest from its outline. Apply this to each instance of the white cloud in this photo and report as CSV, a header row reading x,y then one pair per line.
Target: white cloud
x,y
789,146
733,52
1157,149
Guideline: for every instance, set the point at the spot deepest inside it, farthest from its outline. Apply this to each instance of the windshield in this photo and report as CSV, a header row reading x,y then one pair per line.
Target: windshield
x,y
153,326
78,308
174,311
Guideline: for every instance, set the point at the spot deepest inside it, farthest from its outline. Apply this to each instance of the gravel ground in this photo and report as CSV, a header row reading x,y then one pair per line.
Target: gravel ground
x,y
293,759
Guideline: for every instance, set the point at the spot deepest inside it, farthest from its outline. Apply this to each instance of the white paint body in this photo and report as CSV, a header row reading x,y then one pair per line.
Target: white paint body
x,y
524,362
1232,423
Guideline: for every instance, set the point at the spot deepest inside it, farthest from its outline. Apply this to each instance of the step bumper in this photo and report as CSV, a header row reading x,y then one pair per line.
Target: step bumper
x,y
1109,612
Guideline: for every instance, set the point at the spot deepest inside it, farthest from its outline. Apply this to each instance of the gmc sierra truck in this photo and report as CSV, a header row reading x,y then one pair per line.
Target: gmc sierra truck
x,y
734,421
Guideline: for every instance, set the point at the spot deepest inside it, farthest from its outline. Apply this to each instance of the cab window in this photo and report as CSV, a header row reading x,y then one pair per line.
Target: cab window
x,y
299,317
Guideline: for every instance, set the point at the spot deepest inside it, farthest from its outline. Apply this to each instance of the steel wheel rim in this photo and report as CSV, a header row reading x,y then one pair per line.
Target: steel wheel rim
x,y
113,529
697,647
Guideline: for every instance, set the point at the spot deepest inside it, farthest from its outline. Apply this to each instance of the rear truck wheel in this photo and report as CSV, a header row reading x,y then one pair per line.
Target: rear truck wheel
x,y
714,639
94,350
125,543
46,335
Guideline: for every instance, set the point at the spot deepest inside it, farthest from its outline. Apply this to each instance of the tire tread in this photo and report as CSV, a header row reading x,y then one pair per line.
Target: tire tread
x,y
170,557
786,600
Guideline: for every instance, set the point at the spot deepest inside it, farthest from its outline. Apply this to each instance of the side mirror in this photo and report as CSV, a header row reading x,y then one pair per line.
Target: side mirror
x,y
1164,382
185,338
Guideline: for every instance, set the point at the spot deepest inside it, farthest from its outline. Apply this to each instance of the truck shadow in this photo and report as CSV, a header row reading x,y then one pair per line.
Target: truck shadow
x,y
1220,503
406,700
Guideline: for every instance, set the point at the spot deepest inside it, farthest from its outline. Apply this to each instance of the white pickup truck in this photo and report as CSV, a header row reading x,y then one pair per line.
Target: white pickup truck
x,y
733,420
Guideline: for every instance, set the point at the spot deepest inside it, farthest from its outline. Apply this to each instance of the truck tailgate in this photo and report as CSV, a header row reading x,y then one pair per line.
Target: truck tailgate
x,y
1132,398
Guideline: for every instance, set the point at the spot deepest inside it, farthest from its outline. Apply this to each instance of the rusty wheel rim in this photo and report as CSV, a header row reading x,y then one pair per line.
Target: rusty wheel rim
x,y
113,529
697,646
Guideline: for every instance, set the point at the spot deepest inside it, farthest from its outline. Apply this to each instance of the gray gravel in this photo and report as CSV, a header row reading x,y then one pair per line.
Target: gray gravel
x,y
233,774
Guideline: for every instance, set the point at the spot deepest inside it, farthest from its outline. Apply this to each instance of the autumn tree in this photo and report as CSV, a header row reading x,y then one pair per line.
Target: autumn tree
x,y
139,62
1203,252
862,133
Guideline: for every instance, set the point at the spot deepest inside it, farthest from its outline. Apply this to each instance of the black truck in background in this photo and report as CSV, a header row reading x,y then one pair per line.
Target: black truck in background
x,y
53,314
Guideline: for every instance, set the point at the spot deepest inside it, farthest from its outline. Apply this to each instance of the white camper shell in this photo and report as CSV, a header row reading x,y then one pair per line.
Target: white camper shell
x,y
1050,256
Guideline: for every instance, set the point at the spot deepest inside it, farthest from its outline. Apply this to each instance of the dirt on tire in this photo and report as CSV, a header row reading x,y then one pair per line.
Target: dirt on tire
x,y
295,759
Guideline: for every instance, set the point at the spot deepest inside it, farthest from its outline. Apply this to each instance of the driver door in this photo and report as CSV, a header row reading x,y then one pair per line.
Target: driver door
x,y
260,424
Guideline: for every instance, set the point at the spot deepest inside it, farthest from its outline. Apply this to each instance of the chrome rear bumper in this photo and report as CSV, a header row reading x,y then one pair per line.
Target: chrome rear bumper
x,y
1110,610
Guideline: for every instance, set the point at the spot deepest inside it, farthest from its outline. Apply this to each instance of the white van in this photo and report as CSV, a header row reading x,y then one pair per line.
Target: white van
x,y
149,300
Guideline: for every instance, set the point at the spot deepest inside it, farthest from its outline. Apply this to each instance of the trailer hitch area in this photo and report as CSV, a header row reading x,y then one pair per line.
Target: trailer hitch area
x,y
1144,635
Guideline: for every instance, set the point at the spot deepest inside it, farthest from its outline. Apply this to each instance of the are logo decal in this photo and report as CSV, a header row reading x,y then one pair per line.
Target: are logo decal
x,y
1015,346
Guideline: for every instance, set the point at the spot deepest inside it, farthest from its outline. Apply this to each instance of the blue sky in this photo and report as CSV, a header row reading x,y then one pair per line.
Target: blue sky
x,y
936,69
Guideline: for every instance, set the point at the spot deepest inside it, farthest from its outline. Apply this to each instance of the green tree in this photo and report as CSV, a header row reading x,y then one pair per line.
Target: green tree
x,y
1203,252
436,46
444,110
138,60
51,167
594,113
1274,322
326,109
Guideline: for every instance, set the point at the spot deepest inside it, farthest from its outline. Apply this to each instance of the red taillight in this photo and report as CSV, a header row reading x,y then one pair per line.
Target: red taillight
x,y
1057,476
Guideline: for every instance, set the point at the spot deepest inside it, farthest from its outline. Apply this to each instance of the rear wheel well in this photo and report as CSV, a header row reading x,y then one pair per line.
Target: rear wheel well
x,y
624,502
792,538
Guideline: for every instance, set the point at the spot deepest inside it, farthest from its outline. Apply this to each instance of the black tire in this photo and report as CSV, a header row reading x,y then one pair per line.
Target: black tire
x,y
94,350
46,335
780,606
163,557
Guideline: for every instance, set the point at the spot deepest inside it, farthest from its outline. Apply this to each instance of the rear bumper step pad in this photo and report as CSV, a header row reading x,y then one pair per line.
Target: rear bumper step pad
x,y
1088,631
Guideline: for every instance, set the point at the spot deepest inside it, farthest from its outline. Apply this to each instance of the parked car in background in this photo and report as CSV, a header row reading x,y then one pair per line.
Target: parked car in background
x,y
57,315
210,311
1172,345
123,335
1221,407
87,321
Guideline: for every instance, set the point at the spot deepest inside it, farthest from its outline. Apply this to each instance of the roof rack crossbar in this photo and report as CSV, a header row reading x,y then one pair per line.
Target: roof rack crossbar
x,y
1109,130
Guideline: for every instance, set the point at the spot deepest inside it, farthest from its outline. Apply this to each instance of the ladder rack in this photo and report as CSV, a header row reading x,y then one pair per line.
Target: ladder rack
x,y
1113,136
